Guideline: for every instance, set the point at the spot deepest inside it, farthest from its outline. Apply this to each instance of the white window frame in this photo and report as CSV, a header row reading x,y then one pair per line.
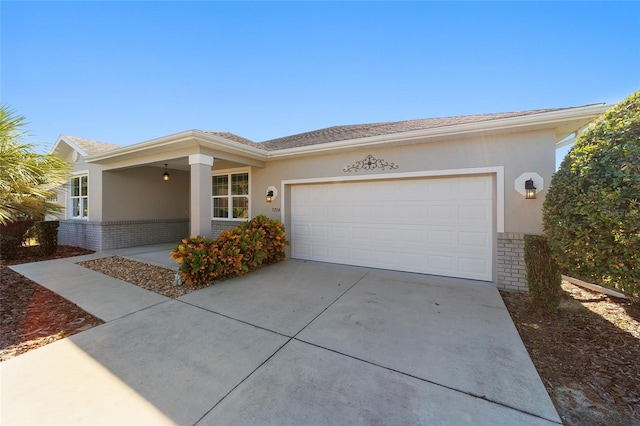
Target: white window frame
x,y
229,196
82,216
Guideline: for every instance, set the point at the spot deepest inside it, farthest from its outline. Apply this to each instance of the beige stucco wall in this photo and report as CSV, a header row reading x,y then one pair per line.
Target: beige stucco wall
x,y
140,193
516,152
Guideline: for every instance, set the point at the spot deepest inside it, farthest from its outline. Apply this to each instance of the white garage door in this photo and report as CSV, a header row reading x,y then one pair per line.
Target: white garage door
x,y
440,226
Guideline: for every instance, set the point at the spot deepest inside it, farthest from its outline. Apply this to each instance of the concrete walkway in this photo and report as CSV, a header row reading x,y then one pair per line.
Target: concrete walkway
x,y
294,343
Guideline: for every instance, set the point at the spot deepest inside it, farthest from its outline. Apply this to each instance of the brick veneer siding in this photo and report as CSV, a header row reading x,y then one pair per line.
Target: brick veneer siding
x,y
510,262
120,234
218,226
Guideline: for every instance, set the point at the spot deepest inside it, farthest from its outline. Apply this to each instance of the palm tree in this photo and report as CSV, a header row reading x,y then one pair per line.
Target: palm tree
x,y
27,179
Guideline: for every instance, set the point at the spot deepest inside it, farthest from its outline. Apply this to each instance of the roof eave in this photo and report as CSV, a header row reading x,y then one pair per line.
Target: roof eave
x,y
546,119
195,136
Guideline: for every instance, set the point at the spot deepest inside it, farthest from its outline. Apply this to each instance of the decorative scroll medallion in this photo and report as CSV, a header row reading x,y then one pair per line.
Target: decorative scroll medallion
x,y
370,163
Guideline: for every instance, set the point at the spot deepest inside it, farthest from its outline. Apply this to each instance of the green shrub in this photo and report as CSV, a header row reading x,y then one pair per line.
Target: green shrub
x,y
543,274
46,233
8,247
237,251
591,213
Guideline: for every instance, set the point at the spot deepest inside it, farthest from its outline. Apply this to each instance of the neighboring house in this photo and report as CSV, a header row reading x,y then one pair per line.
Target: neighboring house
x,y
441,196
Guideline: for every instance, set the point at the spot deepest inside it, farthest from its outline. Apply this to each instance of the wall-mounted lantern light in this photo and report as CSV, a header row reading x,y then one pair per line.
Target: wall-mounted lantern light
x,y
530,190
272,194
529,184
165,175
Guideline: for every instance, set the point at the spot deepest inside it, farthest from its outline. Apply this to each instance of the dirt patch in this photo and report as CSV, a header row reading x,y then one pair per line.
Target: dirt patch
x,y
33,316
587,354
32,254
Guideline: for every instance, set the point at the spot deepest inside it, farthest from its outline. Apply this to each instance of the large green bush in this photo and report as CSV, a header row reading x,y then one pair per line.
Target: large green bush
x,y
237,251
543,274
592,210
46,232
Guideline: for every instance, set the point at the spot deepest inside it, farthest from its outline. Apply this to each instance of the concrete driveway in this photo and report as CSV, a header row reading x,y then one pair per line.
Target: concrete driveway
x,y
293,343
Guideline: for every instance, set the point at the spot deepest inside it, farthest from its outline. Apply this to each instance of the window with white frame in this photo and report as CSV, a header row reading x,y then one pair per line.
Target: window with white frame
x,y
230,196
80,197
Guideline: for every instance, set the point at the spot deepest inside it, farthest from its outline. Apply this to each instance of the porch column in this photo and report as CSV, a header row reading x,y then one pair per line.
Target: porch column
x,y
200,194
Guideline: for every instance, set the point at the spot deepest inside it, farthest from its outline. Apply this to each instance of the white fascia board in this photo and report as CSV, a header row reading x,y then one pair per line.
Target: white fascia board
x,y
541,119
63,138
142,146
218,142
198,137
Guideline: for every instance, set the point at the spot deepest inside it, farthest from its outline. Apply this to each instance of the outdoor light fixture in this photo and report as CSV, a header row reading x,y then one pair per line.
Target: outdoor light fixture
x,y
165,175
530,190
272,194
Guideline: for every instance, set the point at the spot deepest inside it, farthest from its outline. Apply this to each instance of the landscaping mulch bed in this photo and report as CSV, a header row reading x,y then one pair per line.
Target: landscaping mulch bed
x,y
587,354
32,316
154,278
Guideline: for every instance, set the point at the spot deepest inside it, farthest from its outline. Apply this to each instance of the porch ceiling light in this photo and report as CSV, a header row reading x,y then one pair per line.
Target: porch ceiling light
x,y
165,175
530,190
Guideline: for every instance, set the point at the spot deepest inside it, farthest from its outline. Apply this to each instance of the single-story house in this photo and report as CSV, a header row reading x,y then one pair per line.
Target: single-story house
x,y
444,196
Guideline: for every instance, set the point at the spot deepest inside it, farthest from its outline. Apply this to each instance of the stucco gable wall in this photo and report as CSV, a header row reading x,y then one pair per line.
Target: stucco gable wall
x,y
516,152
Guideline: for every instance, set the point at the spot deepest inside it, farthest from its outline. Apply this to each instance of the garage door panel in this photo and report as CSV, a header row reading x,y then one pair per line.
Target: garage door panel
x,y
300,251
361,234
383,258
479,213
338,253
441,264
319,231
473,240
411,261
440,226
441,189
441,238
473,267
302,230
438,214
361,255
409,236
472,189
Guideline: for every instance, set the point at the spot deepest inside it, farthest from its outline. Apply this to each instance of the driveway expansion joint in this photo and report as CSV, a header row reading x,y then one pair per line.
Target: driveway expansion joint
x,y
242,381
482,397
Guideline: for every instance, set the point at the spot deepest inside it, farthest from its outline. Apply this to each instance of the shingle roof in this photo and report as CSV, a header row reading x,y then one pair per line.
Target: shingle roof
x,y
338,133
235,138
92,147
355,131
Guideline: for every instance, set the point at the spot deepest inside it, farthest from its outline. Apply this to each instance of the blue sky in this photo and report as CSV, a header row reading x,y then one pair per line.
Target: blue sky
x,y
126,72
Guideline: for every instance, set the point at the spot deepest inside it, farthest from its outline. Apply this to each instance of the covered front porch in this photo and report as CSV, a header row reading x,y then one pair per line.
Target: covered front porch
x,y
161,191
